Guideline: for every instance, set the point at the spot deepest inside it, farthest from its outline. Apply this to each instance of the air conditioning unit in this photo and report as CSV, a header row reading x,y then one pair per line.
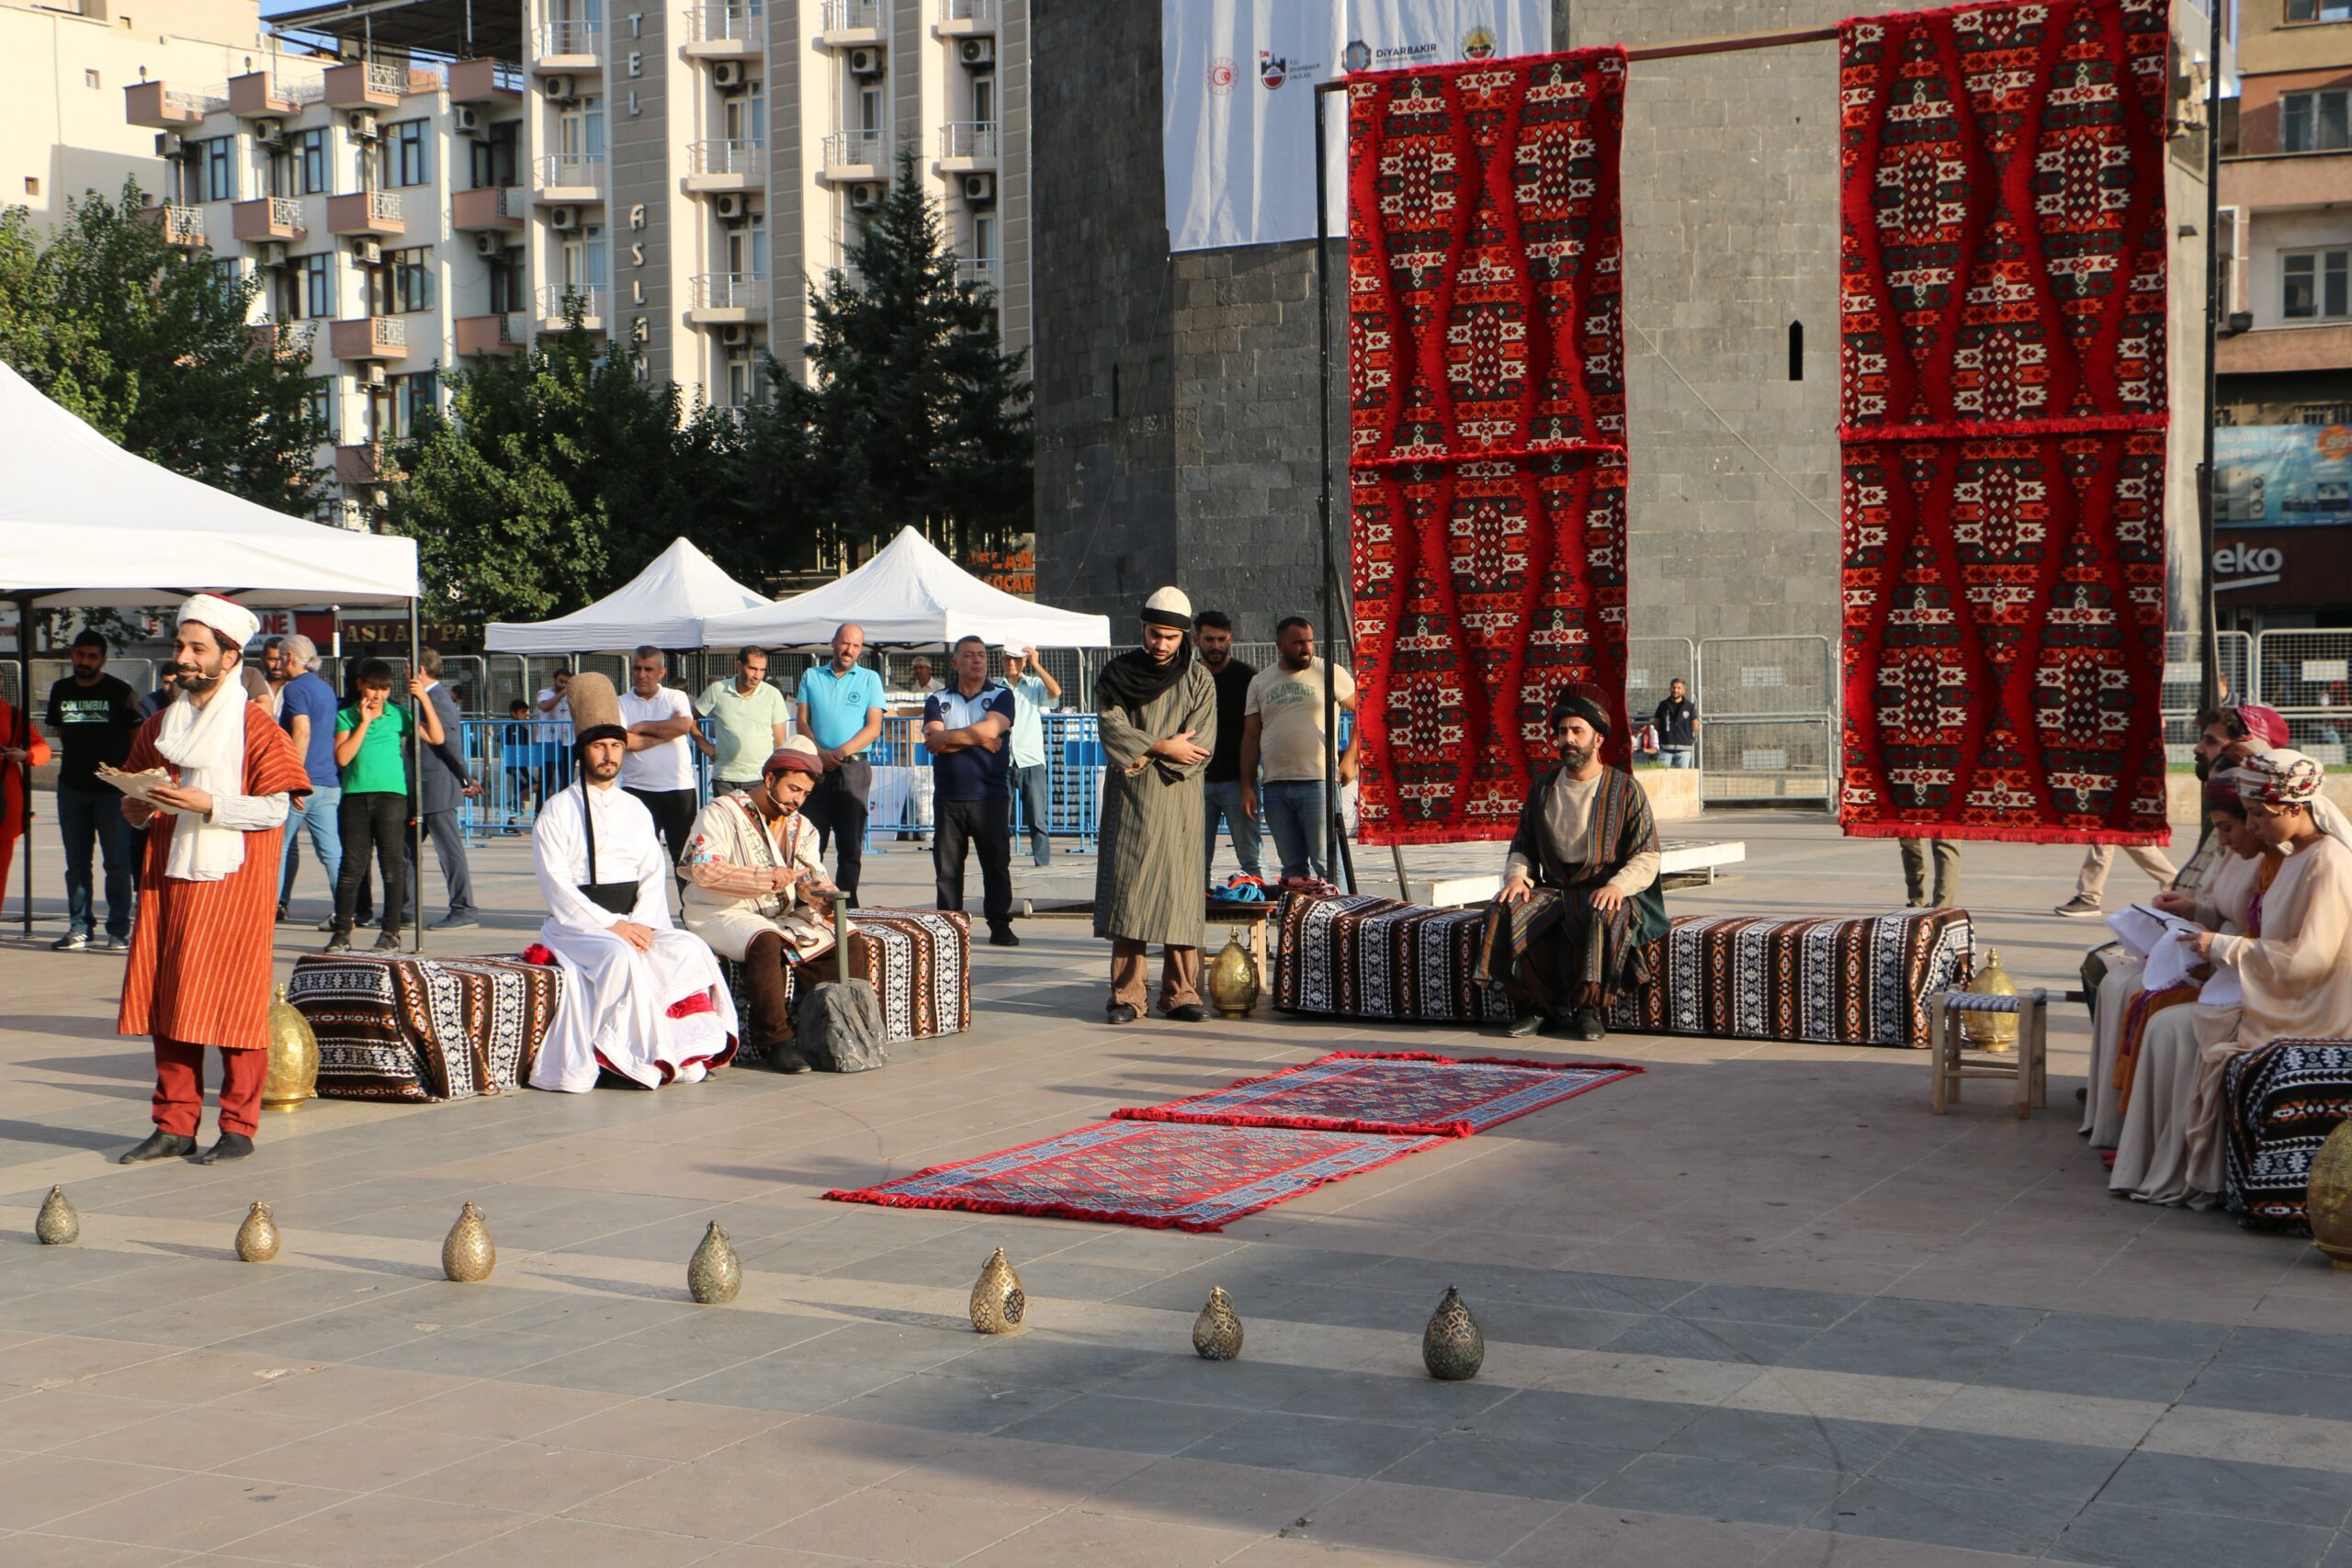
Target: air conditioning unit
x,y
466,120
867,197
979,53
732,208
490,245
170,144
365,127
559,88
563,220
727,75
367,252
735,336
273,253
865,63
269,133
980,190
370,378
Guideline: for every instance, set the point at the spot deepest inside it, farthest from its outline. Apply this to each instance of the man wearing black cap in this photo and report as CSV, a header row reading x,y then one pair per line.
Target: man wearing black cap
x,y
1580,894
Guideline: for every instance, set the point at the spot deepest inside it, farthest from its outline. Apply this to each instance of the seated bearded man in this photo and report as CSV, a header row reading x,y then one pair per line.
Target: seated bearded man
x,y
1579,896
751,865
642,999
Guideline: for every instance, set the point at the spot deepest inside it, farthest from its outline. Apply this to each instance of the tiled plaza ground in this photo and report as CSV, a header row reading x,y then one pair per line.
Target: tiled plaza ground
x,y
1756,1305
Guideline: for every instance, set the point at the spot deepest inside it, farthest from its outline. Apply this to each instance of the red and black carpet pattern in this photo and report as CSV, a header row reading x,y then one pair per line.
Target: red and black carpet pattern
x,y
1486,456
2003,415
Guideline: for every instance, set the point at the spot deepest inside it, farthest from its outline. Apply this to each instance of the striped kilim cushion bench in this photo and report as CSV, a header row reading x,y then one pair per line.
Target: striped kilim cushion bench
x,y
919,962
423,1029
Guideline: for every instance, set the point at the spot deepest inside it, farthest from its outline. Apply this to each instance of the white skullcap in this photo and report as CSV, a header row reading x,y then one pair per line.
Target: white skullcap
x,y
1168,607
235,625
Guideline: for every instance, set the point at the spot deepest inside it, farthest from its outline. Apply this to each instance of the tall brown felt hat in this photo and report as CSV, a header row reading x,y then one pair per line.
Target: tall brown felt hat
x,y
595,709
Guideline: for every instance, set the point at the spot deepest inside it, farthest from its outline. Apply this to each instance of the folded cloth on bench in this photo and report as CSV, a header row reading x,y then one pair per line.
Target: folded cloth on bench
x,y
423,1029
2278,1105
919,962
1358,956
1862,981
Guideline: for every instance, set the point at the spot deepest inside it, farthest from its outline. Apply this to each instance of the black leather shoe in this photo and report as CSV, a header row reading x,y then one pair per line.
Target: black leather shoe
x,y
1188,1012
1121,1014
160,1145
782,1058
1525,1024
1003,939
1591,1024
232,1146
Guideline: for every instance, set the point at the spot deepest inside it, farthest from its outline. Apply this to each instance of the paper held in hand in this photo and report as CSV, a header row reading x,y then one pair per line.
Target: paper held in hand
x,y
137,787
2160,939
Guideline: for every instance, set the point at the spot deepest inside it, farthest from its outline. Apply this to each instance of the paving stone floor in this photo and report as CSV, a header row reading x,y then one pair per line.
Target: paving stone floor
x,y
1756,1305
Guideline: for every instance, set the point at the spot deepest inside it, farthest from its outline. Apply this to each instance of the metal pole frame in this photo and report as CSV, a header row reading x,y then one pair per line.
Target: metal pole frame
x,y
416,782
1328,616
24,737
2210,683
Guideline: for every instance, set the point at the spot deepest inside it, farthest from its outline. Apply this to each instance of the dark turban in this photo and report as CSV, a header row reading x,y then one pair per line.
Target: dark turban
x,y
1582,701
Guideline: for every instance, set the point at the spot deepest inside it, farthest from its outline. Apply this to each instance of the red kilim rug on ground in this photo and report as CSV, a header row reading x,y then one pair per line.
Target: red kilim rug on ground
x,y
2004,317
1397,1093
1487,456
1163,1176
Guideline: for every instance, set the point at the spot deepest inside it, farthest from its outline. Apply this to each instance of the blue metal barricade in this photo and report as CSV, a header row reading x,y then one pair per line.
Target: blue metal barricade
x,y
519,762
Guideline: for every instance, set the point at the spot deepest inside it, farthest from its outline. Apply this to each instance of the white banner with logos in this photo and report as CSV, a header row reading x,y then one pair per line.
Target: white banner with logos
x,y
1239,79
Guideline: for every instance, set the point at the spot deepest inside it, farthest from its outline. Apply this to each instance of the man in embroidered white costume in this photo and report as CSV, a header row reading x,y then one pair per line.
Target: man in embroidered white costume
x,y
751,863
642,999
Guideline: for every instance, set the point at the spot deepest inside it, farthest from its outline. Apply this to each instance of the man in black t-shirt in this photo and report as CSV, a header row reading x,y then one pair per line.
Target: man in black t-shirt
x,y
1213,635
1677,720
92,715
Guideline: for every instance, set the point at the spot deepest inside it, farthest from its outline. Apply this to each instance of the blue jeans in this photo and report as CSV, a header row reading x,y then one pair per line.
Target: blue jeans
x,y
1677,756
83,816
1224,800
318,816
1296,816
1033,781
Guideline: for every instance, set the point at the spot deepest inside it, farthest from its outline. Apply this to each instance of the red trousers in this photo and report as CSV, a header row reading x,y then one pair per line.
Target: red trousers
x,y
180,1088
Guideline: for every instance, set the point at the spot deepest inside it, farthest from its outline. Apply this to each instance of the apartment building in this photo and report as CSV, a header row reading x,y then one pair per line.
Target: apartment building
x,y
2284,359
62,66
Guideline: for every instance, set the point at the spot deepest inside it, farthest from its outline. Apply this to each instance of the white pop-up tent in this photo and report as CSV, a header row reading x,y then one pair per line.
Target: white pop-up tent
x,y
666,606
85,523
911,593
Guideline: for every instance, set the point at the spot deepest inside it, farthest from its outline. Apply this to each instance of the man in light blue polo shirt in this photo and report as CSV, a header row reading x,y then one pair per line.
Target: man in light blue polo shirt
x,y
1035,692
841,710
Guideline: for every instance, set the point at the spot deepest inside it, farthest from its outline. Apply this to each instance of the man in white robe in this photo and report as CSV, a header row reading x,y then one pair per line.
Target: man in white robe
x,y
642,999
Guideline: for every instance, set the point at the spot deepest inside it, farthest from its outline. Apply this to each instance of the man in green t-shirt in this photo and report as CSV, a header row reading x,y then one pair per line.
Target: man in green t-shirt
x,y
748,716
369,735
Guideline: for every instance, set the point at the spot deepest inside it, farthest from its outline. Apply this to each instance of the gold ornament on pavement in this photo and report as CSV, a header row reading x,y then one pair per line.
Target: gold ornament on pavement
x,y
2329,1197
58,1225
1216,1333
468,1255
1451,1347
1991,1031
257,1237
998,1301
1233,978
293,1058
715,1273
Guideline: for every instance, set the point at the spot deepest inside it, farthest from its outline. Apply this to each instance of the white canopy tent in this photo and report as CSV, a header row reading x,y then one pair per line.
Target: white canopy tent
x,y
666,604
911,593
84,522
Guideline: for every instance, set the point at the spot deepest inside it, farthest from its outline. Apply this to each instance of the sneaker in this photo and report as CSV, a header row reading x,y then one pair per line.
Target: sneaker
x,y
339,943
2079,907
326,925
453,922
387,942
111,944
71,942
1524,1024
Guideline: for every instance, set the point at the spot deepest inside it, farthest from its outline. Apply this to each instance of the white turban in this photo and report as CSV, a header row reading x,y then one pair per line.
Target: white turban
x,y
235,625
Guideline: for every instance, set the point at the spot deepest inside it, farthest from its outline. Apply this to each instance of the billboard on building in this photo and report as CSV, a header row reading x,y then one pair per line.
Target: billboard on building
x,y
1239,77
2283,475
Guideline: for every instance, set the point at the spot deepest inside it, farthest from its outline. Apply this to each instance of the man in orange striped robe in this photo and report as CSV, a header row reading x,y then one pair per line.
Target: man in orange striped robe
x,y
208,890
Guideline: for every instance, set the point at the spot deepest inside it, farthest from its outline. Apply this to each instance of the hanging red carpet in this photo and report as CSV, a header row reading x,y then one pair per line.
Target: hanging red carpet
x,y
2004,315
1486,457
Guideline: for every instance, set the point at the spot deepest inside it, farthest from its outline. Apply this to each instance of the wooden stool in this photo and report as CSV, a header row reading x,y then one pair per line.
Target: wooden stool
x,y
1952,1061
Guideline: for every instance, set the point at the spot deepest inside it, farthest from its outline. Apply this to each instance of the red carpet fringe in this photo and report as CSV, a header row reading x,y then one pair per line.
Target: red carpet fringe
x,y
2004,413
1486,456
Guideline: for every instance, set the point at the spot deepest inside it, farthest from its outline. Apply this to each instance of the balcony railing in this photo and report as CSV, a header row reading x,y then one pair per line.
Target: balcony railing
x,y
481,79
182,225
565,172
365,212
968,10
852,278
371,337
847,16
485,206
981,270
737,156
857,149
968,139
727,21
269,218
729,290
260,93
569,39
554,300
499,333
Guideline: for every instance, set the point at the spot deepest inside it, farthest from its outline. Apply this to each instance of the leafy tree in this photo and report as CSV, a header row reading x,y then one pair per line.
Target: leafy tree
x,y
912,414
151,344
